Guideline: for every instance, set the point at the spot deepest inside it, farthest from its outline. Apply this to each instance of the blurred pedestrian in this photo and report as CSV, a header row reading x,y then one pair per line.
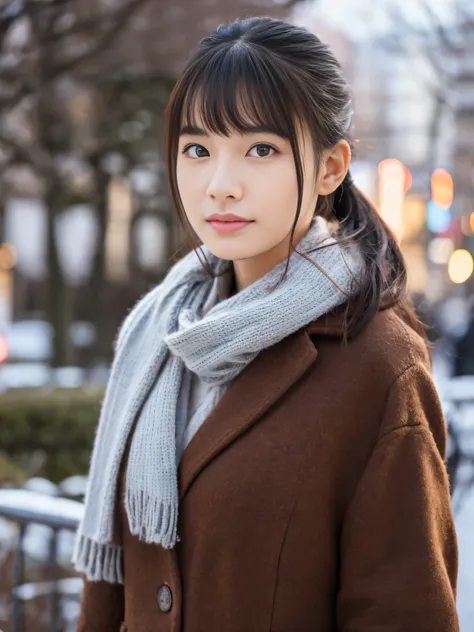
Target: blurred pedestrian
x,y
270,452
427,316
463,363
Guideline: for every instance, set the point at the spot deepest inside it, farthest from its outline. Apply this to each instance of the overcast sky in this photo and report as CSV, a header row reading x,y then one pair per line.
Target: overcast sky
x,y
360,18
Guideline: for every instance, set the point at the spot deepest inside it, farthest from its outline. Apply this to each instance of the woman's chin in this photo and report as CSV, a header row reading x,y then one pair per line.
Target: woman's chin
x,y
229,252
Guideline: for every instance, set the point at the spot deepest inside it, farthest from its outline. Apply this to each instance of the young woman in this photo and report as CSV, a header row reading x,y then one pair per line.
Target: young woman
x,y
270,453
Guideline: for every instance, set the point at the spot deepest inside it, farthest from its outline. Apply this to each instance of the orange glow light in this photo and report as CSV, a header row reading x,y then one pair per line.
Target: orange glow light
x,y
392,186
442,188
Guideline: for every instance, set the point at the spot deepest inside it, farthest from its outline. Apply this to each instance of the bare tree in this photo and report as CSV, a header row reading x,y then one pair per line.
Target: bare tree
x,y
77,80
441,43
42,45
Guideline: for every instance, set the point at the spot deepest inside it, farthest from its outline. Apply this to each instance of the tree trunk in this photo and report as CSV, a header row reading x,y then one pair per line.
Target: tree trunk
x,y
176,237
435,131
98,283
58,293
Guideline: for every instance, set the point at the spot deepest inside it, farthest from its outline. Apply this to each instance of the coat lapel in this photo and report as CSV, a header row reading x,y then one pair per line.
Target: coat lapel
x,y
265,380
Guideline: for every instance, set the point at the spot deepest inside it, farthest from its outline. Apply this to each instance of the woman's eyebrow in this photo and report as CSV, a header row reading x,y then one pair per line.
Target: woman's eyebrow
x,y
193,130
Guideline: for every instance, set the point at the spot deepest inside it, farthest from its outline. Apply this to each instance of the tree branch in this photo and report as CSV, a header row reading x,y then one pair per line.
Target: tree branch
x,y
119,22
33,156
9,16
434,41
442,33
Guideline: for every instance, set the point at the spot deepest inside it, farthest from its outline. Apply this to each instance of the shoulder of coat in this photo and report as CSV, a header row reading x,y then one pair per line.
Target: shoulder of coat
x,y
387,342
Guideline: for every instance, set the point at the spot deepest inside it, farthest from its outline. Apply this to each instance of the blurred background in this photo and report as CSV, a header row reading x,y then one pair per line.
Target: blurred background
x,y
86,227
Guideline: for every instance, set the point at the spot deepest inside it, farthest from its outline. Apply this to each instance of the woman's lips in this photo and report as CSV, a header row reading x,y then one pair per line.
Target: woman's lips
x,y
228,227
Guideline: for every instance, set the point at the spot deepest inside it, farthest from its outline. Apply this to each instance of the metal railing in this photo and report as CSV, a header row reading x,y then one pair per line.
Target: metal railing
x,y
24,508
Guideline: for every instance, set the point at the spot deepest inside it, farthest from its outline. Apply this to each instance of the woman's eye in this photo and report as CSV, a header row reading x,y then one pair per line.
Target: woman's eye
x,y
262,151
196,151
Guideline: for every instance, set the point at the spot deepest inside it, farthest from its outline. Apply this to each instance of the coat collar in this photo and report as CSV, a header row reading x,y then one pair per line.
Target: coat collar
x,y
331,324
261,384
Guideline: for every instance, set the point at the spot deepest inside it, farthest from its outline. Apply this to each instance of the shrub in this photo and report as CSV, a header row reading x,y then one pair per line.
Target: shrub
x,y
48,432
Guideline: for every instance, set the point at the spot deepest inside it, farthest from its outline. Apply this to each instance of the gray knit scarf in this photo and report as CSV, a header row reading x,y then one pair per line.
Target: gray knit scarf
x,y
163,338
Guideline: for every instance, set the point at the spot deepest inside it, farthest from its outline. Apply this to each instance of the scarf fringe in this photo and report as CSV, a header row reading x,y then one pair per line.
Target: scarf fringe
x,y
152,520
98,561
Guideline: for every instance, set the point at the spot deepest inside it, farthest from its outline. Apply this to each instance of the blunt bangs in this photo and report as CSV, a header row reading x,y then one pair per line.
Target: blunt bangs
x,y
236,89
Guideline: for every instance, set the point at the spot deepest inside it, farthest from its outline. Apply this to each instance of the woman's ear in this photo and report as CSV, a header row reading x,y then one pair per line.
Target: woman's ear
x,y
334,167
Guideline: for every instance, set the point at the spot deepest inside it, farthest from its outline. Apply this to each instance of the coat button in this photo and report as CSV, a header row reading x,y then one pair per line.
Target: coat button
x,y
165,598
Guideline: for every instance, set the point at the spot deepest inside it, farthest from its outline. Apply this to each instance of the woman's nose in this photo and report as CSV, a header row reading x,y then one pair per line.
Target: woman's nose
x,y
224,184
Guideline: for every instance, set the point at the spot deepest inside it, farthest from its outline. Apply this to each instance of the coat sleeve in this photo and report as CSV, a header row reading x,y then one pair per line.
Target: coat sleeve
x,y
102,603
398,544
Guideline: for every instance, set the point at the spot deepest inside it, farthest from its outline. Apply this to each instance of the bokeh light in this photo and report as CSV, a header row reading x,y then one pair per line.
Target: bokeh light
x,y
461,266
437,219
442,188
8,256
3,349
440,250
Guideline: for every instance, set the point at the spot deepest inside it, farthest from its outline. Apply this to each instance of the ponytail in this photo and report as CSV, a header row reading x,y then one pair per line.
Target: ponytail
x,y
384,278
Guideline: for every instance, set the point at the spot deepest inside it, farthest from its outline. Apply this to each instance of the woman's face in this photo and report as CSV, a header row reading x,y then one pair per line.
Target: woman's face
x,y
240,193
251,176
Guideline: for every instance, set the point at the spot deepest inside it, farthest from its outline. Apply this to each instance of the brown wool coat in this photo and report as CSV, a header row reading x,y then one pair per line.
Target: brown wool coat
x,y
314,498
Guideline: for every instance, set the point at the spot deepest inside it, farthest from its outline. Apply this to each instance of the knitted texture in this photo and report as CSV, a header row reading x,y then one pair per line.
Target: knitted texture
x,y
164,337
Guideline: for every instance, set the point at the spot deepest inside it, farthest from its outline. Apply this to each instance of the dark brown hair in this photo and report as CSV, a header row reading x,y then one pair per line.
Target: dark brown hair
x,y
270,73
